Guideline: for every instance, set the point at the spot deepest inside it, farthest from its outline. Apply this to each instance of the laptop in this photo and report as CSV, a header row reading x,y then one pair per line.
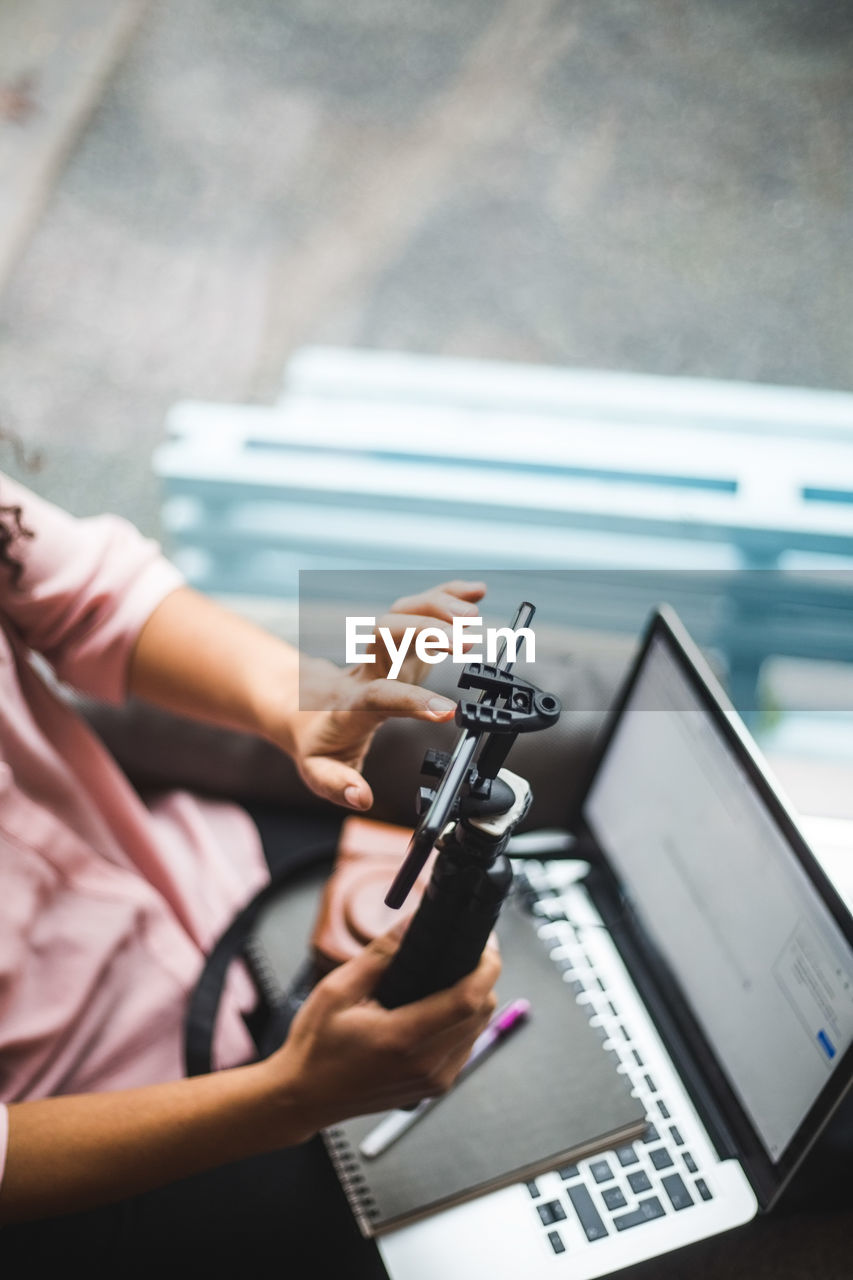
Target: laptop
x,y
715,960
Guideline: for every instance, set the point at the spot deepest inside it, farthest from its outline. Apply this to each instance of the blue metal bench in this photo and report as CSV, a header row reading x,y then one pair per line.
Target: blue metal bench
x,y
733,501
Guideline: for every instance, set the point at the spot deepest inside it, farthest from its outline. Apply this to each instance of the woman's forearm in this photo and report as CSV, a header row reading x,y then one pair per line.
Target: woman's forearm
x,y
72,1153
199,659
345,1055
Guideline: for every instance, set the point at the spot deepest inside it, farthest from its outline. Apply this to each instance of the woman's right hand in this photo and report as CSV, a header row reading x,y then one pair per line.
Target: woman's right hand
x,y
346,1055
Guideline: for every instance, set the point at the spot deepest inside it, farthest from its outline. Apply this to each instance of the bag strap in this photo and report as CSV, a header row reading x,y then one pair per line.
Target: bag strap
x,y
200,1020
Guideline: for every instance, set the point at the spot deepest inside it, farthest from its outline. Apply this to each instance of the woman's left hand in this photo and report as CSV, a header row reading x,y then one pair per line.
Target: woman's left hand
x,y
329,745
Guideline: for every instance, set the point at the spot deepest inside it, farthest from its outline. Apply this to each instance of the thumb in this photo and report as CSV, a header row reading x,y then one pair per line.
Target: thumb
x,y
357,979
337,782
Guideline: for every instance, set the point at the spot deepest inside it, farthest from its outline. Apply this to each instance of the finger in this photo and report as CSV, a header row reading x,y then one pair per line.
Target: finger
x,y
397,643
459,589
434,604
397,623
388,699
359,976
457,1040
437,1013
337,782
464,589
452,1048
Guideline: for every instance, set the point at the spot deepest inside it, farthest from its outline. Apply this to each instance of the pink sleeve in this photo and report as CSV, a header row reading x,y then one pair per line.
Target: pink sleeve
x,y
86,589
4,1139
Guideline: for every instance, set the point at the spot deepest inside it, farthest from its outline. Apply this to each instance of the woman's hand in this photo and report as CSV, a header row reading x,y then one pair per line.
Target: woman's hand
x,y
346,1055
198,659
329,746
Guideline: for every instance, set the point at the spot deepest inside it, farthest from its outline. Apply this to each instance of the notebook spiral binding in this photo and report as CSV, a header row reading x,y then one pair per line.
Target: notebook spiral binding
x,y
353,1181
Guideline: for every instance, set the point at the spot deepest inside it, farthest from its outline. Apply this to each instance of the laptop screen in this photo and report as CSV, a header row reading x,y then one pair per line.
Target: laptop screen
x,y
723,898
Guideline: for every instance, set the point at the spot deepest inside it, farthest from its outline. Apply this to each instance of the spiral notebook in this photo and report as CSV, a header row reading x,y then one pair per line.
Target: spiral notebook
x,y
548,1096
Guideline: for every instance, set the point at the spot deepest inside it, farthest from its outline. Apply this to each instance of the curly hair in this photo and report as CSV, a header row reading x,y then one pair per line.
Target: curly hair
x,y
10,531
11,525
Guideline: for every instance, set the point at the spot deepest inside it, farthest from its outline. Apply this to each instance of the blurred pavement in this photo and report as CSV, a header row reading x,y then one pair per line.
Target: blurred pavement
x,y
648,186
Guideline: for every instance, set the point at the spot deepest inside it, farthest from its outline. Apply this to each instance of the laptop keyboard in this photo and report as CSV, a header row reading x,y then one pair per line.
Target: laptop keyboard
x,y
625,1188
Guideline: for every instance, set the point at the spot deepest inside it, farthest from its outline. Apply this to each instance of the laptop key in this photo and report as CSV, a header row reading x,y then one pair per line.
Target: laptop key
x,y
568,1171
661,1158
676,1190
646,1211
614,1199
663,1109
703,1188
651,1134
551,1212
556,1242
626,1156
590,1218
692,1167
533,1189
675,1134
639,1181
601,1171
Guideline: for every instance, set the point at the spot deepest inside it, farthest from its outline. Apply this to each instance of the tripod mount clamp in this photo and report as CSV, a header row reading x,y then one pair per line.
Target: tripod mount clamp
x,y
496,828
526,708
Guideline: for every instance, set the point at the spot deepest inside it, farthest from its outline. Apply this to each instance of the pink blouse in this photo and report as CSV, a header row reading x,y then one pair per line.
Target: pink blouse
x,y
107,904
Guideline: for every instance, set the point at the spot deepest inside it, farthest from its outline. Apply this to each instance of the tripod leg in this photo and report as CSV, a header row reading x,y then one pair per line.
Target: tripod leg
x,y
448,932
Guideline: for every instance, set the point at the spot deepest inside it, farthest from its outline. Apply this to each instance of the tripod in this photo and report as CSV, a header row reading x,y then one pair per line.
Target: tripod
x,y
472,875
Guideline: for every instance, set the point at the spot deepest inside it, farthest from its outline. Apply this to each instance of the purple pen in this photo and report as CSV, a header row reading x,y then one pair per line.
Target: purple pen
x,y
502,1023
